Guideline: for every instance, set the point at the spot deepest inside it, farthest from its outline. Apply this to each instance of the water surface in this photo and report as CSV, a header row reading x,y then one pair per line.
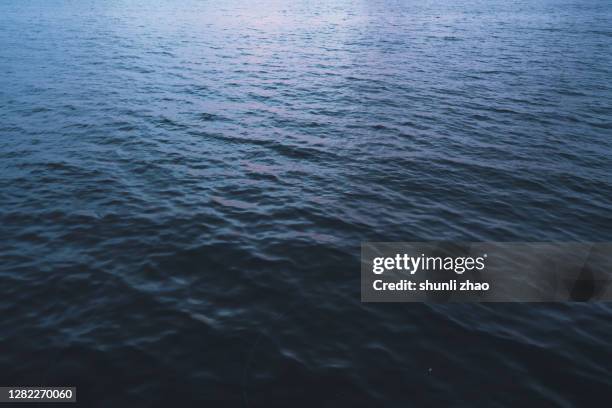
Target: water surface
x,y
184,186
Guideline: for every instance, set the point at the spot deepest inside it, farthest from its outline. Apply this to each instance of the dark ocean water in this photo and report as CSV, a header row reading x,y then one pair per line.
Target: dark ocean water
x,y
184,187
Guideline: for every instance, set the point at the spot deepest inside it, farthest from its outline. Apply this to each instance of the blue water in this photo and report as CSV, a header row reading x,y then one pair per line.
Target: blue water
x,y
184,187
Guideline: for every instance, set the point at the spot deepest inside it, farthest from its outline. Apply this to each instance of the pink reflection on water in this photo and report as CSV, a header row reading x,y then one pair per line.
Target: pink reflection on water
x,y
226,202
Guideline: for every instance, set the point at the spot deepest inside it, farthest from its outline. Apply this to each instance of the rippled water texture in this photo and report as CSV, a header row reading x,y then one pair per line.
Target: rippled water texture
x,y
184,186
